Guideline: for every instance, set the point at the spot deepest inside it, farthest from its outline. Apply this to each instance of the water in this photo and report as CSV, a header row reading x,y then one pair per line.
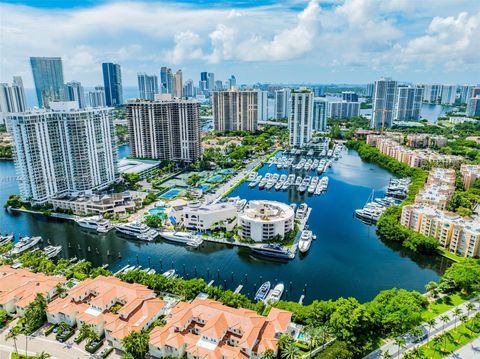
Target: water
x,y
346,259
429,112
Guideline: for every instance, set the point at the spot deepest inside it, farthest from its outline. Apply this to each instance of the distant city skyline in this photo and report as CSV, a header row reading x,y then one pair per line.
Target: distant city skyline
x,y
352,41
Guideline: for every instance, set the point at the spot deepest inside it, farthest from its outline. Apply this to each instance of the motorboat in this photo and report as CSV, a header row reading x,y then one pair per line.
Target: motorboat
x,y
305,241
273,250
276,293
298,181
169,273
25,244
255,182
187,238
138,230
301,211
95,223
252,176
6,239
263,291
52,251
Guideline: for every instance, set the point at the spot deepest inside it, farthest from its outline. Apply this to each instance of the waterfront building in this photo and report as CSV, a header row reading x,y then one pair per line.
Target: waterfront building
x,y
459,235
370,90
96,98
423,140
113,203
19,287
48,78
112,80
166,80
235,110
232,82
349,96
109,306
178,84
262,105
12,98
205,328
282,103
320,110
473,106
164,129
147,86
74,92
63,151
301,117
465,91
343,109
265,220
438,190
455,120
408,102
383,103
470,173
432,93
208,217
449,94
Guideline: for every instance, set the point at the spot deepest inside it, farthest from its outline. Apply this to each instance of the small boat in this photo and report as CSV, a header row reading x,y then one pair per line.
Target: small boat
x,y
276,293
169,273
25,244
138,230
255,182
182,237
305,241
6,239
96,223
52,251
263,291
252,176
273,250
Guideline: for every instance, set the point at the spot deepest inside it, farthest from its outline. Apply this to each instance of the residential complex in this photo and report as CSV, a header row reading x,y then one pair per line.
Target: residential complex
x,y
164,129
282,103
74,92
147,86
63,151
408,101
383,103
432,93
470,173
349,96
438,190
422,140
449,94
96,98
112,80
300,122
12,98
178,84
166,80
208,217
235,110
473,106
343,109
48,78
208,329
320,111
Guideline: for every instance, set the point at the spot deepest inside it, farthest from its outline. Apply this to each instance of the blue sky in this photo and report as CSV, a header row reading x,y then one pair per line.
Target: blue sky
x,y
291,41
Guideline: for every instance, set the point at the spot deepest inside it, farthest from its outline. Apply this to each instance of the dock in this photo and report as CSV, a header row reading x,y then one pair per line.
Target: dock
x,y
300,301
239,289
210,283
301,227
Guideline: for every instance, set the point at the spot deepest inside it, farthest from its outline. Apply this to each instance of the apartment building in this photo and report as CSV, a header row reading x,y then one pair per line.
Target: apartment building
x,y
423,140
438,190
300,122
343,109
205,329
235,110
63,151
207,217
165,129
19,287
470,173
111,307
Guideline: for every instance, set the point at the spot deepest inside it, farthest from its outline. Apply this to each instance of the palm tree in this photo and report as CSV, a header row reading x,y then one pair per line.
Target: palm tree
x,y
430,325
470,307
431,287
446,337
437,342
290,351
400,342
60,290
457,312
445,319
387,355
13,334
86,332
136,343
42,355
268,354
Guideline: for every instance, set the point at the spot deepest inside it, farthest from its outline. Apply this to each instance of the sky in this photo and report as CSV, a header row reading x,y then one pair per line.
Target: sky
x,y
289,41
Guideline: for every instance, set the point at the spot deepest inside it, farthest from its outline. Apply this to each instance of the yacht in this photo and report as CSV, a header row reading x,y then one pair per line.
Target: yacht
x,y
307,165
96,223
52,251
252,176
273,250
263,291
298,181
25,244
305,241
312,187
310,152
187,238
6,239
276,293
138,230
302,211
255,182
169,273
263,182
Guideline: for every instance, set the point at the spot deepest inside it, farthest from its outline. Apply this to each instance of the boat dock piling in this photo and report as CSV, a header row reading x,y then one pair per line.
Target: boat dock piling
x,y
210,283
239,288
300,301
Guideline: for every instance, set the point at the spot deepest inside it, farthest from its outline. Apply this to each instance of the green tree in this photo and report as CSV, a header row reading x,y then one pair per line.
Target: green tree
x,y
35,314
136,343
400,342
42,355
193,179
268,354
457,312
430,325
13,335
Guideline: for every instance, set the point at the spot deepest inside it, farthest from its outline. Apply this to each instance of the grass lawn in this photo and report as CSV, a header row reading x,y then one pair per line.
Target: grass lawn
x,y
461,336
450,255
441,306
20,356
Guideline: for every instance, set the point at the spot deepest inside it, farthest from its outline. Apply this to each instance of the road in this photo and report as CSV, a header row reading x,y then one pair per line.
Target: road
x,y
439,328
469,351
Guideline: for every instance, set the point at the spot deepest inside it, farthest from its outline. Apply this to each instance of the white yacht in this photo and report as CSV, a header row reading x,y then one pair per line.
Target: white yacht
x,y
6,239
276,293
95,223
252,176
138,230
255,182
52,251
305,241
187,238
169,273
25,244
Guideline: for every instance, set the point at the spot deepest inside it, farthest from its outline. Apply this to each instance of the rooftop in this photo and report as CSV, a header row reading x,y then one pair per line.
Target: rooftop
x,y
126,165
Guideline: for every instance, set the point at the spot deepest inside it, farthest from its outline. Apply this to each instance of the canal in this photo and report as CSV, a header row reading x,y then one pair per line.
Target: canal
x,y
346,259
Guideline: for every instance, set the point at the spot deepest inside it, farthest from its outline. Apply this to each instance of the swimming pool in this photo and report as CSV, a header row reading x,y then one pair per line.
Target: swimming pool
x,y
215,179
204,187
171,193
158,211
227,171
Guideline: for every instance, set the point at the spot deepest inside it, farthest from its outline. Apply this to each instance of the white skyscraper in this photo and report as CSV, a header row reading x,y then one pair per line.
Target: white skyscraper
x,y
383,103
74,92
449,94
147,86
12,98
235,110
464,92
343,109
408,102
432,93
262,105
188,89
232,82
282,103
300,122
320,110
63,151
178,84
96,98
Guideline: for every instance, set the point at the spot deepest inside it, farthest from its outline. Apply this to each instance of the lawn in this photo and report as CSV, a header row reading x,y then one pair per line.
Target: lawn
x,y
460,337
450,255
442,305
20,356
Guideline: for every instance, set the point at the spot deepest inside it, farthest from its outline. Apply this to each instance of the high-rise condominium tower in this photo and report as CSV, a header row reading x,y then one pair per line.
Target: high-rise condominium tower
x,y
112,80
166,129
96,98
12,98
320,110
449,94
147,86
408,102
235,110
432,93
178,84
282,103
383,103
74,92
48,78
300,122
349,96
343,109
232,82
63,151
166,80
